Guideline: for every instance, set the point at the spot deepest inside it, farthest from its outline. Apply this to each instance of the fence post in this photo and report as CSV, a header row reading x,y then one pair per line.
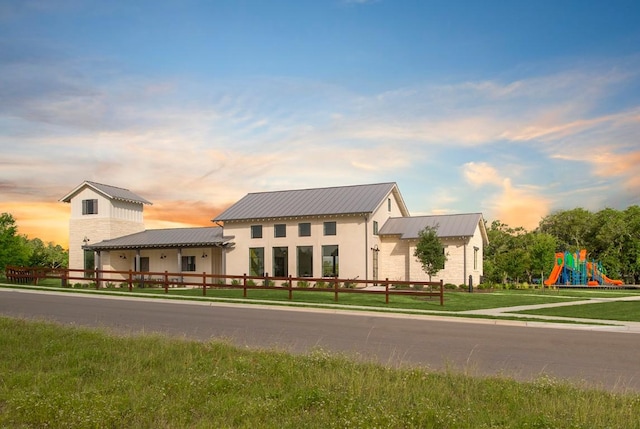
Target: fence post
x,y
204,283
166,282
244,285
386,290
290,288
441,292
98,279
335,289
130,280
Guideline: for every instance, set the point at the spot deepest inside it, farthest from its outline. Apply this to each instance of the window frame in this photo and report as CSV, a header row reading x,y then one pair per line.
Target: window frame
x,y
304,225
329,232
256,231
280,230
259,255
305,249
188,264
335,260
90,206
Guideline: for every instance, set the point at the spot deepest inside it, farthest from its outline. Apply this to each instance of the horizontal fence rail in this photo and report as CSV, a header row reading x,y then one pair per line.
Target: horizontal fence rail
x,y
129,279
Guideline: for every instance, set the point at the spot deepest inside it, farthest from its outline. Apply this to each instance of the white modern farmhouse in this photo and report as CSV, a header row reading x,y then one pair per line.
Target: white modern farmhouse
x,y
353,232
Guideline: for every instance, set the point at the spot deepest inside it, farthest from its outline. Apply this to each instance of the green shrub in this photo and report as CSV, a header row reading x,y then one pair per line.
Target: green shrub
x,y
322,285
401,286
302,284
235,282
349,285
251,282
418,287
450,286
269,283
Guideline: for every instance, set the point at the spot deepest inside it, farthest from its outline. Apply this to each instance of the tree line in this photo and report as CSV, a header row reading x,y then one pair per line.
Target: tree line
x,y
19,250
609,236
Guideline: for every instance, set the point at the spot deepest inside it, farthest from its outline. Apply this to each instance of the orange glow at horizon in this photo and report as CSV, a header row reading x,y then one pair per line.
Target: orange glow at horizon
x,y
50,221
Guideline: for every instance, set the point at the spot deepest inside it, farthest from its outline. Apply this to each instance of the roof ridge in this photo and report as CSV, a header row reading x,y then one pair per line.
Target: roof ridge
x,y
104,184
322,188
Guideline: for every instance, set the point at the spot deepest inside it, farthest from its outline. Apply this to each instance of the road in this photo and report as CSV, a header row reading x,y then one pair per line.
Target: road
x,y
608,360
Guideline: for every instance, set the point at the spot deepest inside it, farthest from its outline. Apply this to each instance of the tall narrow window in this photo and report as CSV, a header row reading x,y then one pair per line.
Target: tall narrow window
x,y
280,262
188,263
280,230
305,261
256,261
375,227
330,262
329,228
475,257
144,265
256,231
304,229
389,204
89,207
89,263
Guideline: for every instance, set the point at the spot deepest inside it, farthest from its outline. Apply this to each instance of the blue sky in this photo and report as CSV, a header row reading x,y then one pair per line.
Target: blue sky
x,y
513,109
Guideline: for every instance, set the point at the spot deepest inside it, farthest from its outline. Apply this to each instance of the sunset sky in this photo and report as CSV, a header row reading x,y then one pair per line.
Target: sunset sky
x,y
513,109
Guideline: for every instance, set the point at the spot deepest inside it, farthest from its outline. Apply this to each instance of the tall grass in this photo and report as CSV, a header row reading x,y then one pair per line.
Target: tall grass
x,y
60,377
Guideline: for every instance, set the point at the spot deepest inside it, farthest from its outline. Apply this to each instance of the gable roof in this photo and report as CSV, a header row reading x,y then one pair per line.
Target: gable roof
x,y
449,226
356,199
166,238
111,192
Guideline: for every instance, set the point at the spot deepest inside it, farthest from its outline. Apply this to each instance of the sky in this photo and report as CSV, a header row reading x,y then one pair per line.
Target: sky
x,y
514,109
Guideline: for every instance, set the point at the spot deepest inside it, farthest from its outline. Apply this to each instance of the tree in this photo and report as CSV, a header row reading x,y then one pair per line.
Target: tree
x,y
12,249
572,228
429,251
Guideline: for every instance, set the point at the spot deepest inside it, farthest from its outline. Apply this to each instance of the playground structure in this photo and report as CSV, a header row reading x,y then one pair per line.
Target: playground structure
x,y
574,269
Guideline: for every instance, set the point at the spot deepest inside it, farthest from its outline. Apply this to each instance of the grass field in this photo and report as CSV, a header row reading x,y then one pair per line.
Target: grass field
x,y
61,377
627,311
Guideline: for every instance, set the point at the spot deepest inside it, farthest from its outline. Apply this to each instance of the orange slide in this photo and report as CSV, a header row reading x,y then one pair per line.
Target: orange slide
x,y
553,277
609,281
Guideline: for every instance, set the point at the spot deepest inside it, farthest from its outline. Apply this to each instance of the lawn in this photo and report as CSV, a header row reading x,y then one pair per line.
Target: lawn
x,y
60,377
621,310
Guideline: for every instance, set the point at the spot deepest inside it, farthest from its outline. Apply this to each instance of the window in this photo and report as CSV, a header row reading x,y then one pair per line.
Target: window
x,y
375,227
89,207
475,257
329,228
256,231
305,261
89,263
280,230
389,204
144,265
304,229
188,263
280,261
330,261
256,261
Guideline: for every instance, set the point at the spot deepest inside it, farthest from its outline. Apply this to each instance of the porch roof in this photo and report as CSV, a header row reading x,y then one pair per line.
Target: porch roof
x,y
167,238
449,226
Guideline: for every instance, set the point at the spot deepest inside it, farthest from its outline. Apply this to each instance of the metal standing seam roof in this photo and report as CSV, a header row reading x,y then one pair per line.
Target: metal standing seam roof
x,y
165,238
354,199
112,192
458,225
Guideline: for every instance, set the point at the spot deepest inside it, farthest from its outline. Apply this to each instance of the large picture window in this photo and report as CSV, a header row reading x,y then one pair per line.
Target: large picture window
x,y
305,261
330,261
188,263
256,261
329,228
280,262
89,207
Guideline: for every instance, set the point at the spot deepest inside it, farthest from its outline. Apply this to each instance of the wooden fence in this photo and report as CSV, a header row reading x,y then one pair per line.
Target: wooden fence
x,y
167,280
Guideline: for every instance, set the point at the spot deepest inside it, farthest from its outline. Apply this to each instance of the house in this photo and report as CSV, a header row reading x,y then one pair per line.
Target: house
x,y
357,232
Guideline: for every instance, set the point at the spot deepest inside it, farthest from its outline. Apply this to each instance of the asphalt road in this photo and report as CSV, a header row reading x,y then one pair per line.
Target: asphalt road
x,y
600,359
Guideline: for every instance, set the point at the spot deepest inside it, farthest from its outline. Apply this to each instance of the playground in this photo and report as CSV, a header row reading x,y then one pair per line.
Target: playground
x,y
574,269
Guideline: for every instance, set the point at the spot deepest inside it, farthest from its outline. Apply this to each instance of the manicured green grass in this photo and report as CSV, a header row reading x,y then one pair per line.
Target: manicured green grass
x,y
620,310
60,377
